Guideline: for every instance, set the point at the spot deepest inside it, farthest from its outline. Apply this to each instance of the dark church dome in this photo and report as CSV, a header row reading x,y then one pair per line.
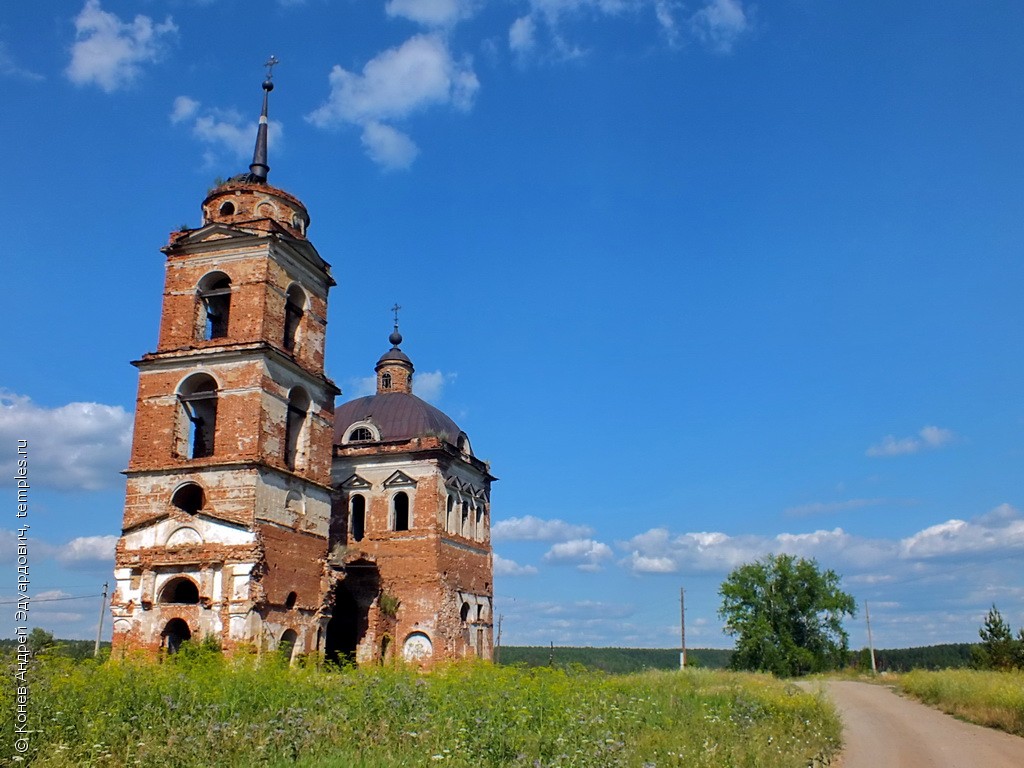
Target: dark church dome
x,y
392,416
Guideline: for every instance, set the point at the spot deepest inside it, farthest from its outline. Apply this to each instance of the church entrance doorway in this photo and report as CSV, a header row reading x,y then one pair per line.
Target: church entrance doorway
x,y
175,633
350,620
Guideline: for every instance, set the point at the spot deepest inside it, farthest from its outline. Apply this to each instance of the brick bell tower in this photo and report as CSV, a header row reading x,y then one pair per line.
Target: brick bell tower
x,y
228,503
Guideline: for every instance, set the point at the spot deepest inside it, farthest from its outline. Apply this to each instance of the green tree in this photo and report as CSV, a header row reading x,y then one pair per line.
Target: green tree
x,y
39,639
998,648
787,616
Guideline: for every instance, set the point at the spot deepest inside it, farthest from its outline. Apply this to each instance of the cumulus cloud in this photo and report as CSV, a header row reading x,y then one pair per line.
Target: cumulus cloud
x,y
505,567
1001,529
586,554
78,446
997,533
530,528
223,130
393,86
720,23
108,52
87,550
431,13
430,385
928,438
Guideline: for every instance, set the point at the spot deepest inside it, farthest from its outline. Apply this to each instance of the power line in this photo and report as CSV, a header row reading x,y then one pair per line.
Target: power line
x,y
47,599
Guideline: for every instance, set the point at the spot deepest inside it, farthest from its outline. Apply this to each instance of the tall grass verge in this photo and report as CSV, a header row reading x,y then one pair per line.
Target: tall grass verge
x,y
995,699
205,710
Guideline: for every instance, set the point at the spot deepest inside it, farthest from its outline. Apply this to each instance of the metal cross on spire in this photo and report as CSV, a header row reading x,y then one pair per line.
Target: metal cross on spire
x,y
271,62
395,310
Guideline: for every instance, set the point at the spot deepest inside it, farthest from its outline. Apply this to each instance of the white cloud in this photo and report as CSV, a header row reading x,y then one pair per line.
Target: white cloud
x,y
184,109
430,385
667,21
87,550
1001,529
585,554
394,85
431,13
108,52
997,533
928,438
530,528
505,567
224,130
720,23
78,446
9,68
388,147
522,35
361,387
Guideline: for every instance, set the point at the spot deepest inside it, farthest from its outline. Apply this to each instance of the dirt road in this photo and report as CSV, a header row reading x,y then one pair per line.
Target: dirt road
x,y
883,730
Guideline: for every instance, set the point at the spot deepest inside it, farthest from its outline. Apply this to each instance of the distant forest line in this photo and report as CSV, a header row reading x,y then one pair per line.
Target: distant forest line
x,y
626,660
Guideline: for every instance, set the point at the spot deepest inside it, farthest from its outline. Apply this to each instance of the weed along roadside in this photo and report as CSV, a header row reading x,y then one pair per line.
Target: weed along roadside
x,y
198,709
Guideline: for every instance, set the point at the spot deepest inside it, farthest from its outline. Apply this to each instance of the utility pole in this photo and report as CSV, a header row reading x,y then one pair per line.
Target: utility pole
x,y
99,629
682,628
871,645
497,643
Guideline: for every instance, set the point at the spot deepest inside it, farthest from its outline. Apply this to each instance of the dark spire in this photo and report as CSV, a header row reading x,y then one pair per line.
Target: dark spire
x,y
259,169
395,338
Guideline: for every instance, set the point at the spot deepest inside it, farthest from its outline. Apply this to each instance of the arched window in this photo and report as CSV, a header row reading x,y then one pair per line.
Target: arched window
x,y
464,612
400,504
188,498
464,530
478,531
215,301
385,381
180,590
197,420
358,524
295,423
449,521
294,307
360,434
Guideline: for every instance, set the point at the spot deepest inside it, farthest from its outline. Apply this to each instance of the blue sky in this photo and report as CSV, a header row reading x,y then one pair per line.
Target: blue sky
x,y
703,280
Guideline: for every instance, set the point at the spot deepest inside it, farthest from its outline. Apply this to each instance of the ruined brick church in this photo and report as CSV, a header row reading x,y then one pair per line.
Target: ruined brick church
x,y
259,515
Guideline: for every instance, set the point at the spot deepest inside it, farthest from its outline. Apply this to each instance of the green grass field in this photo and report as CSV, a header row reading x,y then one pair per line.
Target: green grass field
x,y
200,710
995,699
